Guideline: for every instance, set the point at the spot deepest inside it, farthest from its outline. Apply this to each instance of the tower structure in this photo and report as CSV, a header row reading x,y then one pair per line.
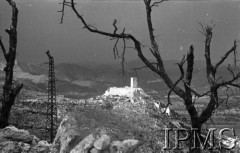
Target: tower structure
x,y
51,123
134,82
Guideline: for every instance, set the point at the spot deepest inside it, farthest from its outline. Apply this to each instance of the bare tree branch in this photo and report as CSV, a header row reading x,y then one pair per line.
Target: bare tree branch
x,y
154,44
115,49
209,67
195,92
123,57
3,49
92,26
156,53
189,71
207,32
145,66
230,82
94,30
115,27
234,85
233,49
157,3
180,66
230,70
62,11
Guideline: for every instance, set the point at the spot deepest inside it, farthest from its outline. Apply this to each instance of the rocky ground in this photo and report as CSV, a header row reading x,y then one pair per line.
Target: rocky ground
x,y
103,124
123,118
13,140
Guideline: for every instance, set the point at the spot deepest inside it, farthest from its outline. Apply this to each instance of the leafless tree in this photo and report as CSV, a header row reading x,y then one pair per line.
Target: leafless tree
x,y
185,91
11,88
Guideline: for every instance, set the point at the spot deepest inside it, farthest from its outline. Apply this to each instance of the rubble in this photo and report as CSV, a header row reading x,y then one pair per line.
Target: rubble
x,y
69,139
13,140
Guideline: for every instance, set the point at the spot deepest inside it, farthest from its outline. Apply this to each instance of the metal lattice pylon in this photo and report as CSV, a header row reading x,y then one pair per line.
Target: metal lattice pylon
x,y
51,123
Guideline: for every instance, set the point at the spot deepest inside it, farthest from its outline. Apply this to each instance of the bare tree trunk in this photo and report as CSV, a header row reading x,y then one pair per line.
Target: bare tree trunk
x,y
10,88
5,112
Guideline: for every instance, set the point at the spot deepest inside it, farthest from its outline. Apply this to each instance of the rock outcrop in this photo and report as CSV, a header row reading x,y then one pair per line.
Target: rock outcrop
x,y
13,140
67,135
97,142
71,138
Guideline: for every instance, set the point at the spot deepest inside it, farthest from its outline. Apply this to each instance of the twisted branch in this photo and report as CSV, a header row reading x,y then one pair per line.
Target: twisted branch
x,y
156,4
180,66
232,50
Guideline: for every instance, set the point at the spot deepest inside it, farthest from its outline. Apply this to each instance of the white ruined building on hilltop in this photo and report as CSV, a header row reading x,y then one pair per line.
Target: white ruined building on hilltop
x,y
132,92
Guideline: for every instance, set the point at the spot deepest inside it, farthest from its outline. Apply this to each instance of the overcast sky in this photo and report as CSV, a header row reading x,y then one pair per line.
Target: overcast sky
x,y
175,22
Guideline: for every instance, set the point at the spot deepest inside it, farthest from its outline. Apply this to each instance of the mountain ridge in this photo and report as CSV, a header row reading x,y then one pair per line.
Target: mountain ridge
x,y
92,79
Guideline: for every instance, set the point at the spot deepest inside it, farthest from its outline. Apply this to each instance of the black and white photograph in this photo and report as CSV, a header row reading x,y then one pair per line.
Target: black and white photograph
x,y
120,76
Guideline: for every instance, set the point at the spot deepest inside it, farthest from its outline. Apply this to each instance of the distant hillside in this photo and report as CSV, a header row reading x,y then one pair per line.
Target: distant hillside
x,y
88,79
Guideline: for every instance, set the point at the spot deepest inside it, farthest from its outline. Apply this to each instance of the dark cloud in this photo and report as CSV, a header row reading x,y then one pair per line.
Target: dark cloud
x,y
176,26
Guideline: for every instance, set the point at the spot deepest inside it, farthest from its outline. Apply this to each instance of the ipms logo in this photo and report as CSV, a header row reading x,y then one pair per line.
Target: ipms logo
x,y
202,142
